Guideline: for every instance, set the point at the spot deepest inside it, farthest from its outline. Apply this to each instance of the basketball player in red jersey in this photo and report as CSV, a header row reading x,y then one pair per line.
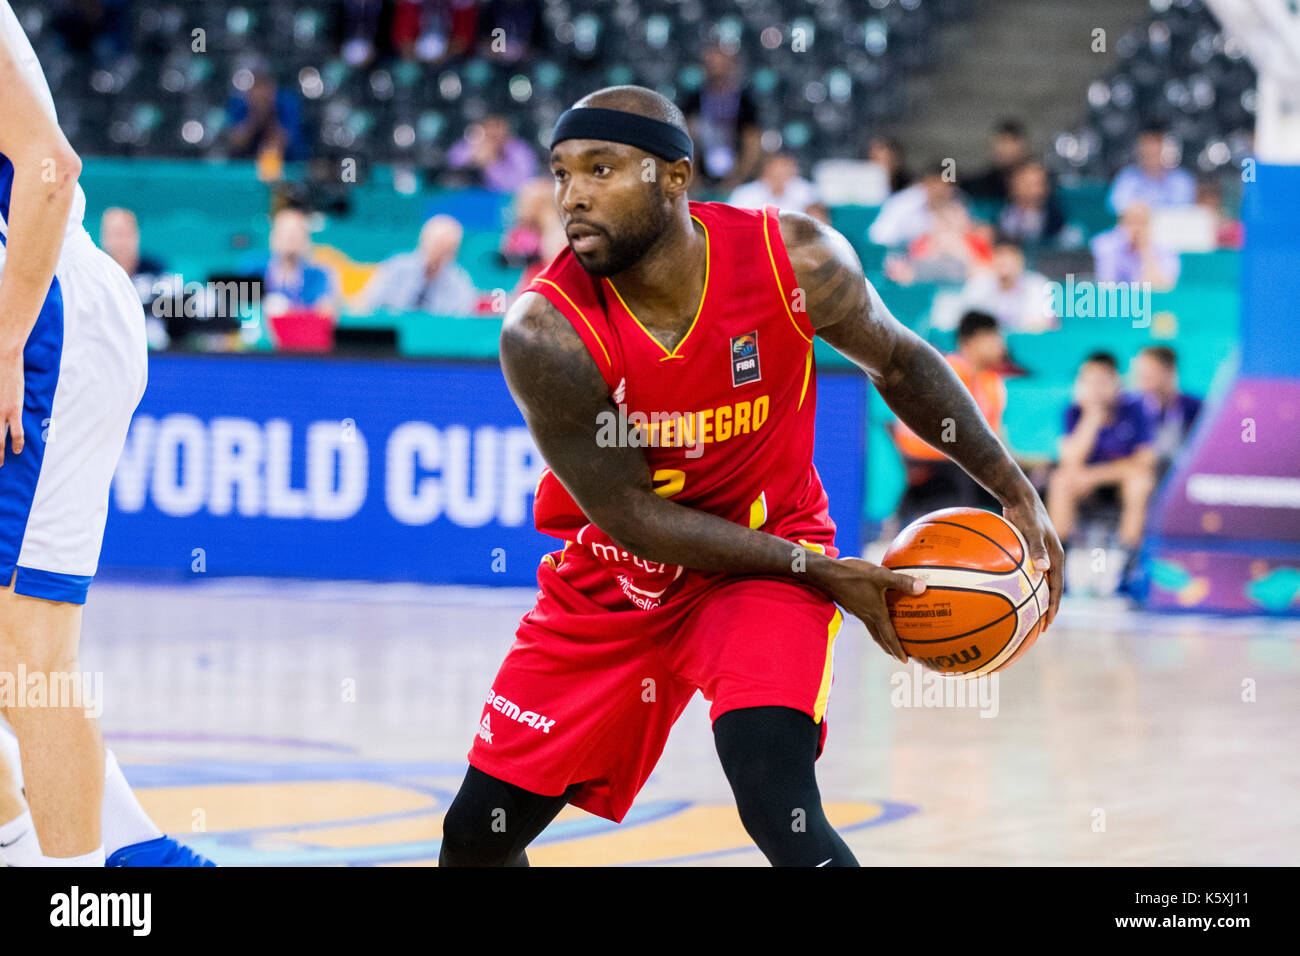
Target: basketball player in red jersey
x,y
664,365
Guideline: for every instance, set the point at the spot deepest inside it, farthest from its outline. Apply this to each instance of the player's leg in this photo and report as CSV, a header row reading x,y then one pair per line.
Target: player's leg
x,y
85,369
762,651
131,838
577,714
1066,487
769,755
491,822
1137,482
62,753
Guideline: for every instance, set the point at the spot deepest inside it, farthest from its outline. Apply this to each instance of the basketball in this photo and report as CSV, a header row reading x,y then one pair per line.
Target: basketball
x,y
983,600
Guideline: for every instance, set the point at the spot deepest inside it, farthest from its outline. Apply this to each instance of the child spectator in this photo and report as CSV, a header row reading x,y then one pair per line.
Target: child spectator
x,y
1107,448
1170,413
933,480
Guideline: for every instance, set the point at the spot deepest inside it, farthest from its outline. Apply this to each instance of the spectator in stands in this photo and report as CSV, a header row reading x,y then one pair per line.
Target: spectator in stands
x,y
933,480
552,242
887,153
1010,149
432,30
1170,413
1228,232
265,119
119,236
1106,448
1128,253
517,21
1032,214
723,120
954,249
780,185
534,215
491,155
428,279
1153,179
292,281
1017,297
909,214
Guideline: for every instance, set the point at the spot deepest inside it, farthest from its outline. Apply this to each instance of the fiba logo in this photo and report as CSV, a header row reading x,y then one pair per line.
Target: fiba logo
x,y
744,359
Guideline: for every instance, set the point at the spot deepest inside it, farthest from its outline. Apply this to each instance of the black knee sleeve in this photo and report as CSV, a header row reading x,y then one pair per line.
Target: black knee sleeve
x,y
768,755
491,822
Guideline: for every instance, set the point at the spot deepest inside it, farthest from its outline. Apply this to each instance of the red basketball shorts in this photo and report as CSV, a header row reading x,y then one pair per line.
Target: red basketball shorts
x,y
594,704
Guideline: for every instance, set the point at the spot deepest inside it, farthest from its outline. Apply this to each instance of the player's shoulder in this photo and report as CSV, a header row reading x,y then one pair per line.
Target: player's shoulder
x,y
531,321
543,356
797,230
814,247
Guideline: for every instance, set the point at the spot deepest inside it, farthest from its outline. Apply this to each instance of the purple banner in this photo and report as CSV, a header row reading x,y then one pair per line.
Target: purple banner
x,y
1240,481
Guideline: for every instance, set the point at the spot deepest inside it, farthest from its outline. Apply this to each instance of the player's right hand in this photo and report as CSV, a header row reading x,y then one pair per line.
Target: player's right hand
x,y
11,404
859,587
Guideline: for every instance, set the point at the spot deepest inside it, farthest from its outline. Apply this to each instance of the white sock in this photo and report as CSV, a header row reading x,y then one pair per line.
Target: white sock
x,y
18,843
9,752
95,858
125,821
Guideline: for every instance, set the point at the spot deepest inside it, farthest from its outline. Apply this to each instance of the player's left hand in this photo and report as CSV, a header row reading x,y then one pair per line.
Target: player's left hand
x,y
1030,517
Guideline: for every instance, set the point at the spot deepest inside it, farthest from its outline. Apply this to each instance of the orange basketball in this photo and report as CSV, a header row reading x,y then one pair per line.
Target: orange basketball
x,y
983,600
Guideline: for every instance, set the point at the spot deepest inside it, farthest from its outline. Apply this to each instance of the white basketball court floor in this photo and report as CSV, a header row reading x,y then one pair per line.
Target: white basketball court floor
x,y
286,723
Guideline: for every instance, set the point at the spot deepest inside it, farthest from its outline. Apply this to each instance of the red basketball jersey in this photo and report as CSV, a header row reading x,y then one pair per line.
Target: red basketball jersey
x,y
725,418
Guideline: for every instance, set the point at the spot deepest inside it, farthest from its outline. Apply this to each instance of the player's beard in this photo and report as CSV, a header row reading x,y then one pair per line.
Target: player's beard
x,y
633,241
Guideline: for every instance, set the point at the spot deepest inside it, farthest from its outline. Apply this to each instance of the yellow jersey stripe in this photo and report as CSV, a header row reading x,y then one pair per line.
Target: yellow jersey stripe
x,y
758,512
776,274
582,316
704,294
807,372
824,692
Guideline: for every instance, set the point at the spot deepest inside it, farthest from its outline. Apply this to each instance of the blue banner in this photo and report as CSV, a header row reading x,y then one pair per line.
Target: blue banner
x,y
352,469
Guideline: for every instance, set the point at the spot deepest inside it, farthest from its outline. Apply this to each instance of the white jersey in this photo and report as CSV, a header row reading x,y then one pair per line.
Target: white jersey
x,y
21,48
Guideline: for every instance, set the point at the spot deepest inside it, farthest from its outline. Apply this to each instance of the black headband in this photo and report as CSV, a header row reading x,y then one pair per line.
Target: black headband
x,y
616,126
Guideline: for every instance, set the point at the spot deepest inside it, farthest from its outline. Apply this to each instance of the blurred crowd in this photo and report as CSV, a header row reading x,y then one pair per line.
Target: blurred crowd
x,y
993,238
973,231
